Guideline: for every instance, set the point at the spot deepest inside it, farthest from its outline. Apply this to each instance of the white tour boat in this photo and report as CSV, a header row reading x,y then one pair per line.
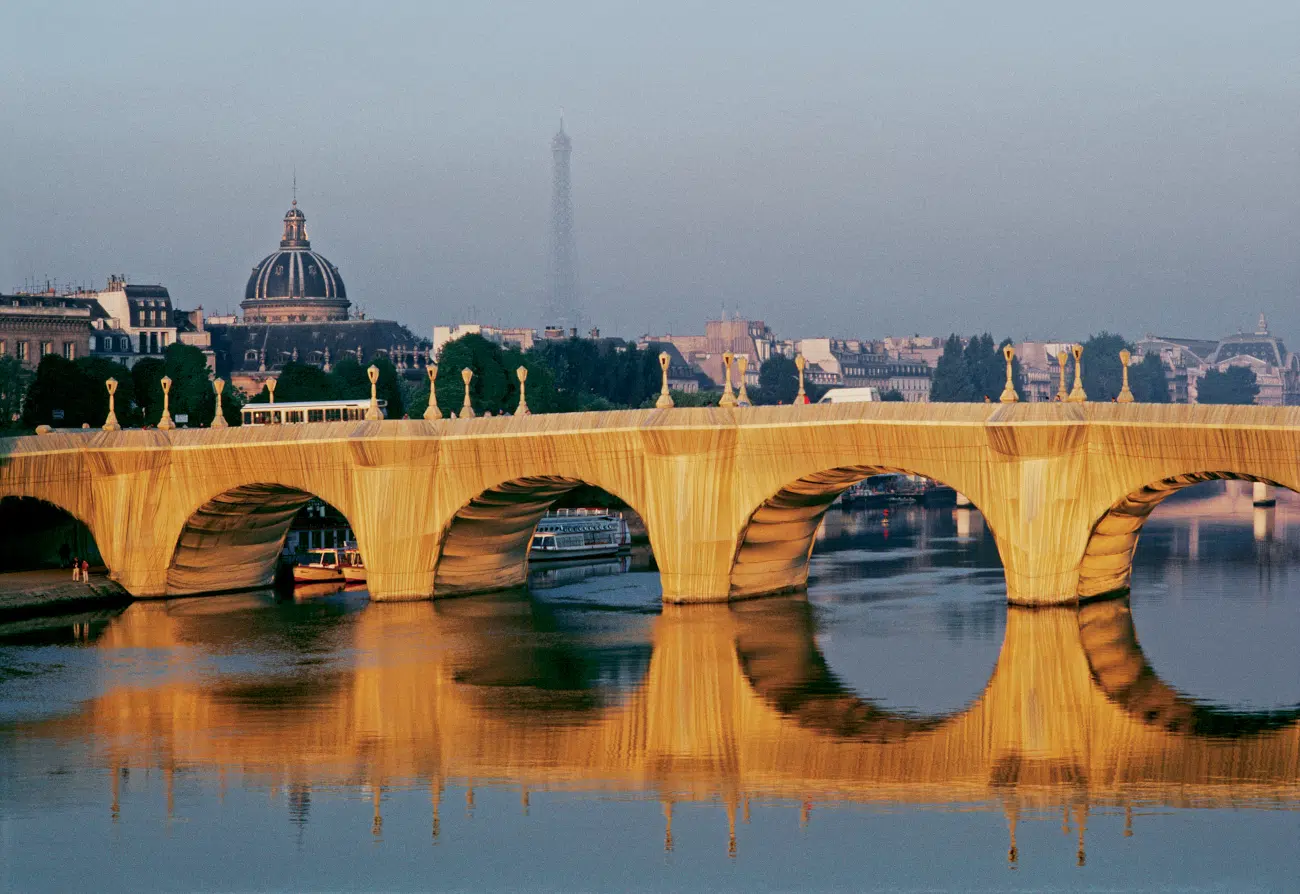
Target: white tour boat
x,y
579,534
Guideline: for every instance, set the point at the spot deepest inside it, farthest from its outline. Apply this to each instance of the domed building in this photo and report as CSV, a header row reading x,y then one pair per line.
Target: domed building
x,y
295,284
296,309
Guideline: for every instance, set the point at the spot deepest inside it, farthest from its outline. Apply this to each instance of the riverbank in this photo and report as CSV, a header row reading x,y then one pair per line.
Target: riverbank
x,y
30,594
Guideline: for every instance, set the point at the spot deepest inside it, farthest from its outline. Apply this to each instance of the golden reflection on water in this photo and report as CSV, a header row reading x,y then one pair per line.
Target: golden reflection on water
x,y
737,703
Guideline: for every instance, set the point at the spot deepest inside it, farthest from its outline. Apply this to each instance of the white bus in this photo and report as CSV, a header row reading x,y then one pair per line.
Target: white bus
x,y
309,411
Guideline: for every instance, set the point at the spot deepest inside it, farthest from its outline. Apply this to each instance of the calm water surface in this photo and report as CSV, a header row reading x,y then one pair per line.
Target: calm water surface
x,y
897,728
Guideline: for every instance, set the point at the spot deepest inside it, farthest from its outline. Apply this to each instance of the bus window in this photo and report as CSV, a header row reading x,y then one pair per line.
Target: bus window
x,y
315,415
261,417
293,416
333,414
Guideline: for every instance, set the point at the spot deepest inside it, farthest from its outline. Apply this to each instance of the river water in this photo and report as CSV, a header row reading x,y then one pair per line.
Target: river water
x,y
897,728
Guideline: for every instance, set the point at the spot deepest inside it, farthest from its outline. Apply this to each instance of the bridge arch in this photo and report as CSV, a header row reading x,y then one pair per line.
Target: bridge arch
x,y
1107,563
38,531
232,539
484,545
1120,669
776,539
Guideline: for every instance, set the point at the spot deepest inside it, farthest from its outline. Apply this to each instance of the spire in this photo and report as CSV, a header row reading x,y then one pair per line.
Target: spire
x,y
1262,327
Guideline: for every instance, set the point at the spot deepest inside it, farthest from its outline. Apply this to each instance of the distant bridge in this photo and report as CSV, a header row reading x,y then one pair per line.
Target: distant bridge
x,y
731,498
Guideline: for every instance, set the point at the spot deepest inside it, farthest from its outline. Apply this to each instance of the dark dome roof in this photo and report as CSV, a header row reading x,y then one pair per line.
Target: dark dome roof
x,y
295,271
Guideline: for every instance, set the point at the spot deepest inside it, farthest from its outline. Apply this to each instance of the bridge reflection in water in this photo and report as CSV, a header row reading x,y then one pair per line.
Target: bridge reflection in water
x,y
725,704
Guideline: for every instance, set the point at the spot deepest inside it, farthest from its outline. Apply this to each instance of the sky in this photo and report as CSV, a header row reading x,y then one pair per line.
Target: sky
x,y
838,168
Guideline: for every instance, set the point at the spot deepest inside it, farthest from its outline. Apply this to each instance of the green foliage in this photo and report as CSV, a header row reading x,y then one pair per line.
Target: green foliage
x,y
303,381
893,395
778,381
96,371
1147,380
76,388
13,388
952,382
1103,374
611,369
387,388
491,387
1236,385
975,372
348,381
191,393
146,377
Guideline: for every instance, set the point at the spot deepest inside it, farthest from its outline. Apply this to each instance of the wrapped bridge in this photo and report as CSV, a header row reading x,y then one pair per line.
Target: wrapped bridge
x,y
731,498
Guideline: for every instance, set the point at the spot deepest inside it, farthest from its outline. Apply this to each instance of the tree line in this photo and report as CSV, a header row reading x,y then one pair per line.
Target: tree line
x,y
976,371
567,375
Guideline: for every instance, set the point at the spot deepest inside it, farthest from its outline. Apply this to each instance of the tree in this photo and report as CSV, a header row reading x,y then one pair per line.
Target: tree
x,y
191,392
13,388
975,372
952,382
146,377
348,380
1235,385
95,371
893,395
778,380
1103,374
1147,380
303,381
488,389
57,396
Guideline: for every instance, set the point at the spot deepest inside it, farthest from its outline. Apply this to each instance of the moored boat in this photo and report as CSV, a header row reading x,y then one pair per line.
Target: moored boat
x,y
354,567
579,534
323,565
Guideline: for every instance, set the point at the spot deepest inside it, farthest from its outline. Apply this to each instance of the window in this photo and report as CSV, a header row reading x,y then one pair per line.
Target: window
x,y
69,350
153,342
144,342
164,340
22,351
47,347
312,415
126,344
4,347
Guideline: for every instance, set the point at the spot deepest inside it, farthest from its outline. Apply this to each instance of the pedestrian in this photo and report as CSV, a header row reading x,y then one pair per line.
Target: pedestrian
x,y
76,568
85,571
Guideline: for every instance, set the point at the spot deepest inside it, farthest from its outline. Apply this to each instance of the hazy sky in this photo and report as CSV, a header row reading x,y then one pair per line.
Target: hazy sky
x,y
833,168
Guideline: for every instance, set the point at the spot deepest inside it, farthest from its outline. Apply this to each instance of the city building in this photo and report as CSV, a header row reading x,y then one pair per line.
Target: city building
x,y
857,363
1186,361
296,308
33,325
752,339
137,322
1040,368
1277,372
295,284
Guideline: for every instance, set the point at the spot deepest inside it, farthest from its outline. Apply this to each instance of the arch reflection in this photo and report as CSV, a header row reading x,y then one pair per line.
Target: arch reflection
x,y
699,703
1121,670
